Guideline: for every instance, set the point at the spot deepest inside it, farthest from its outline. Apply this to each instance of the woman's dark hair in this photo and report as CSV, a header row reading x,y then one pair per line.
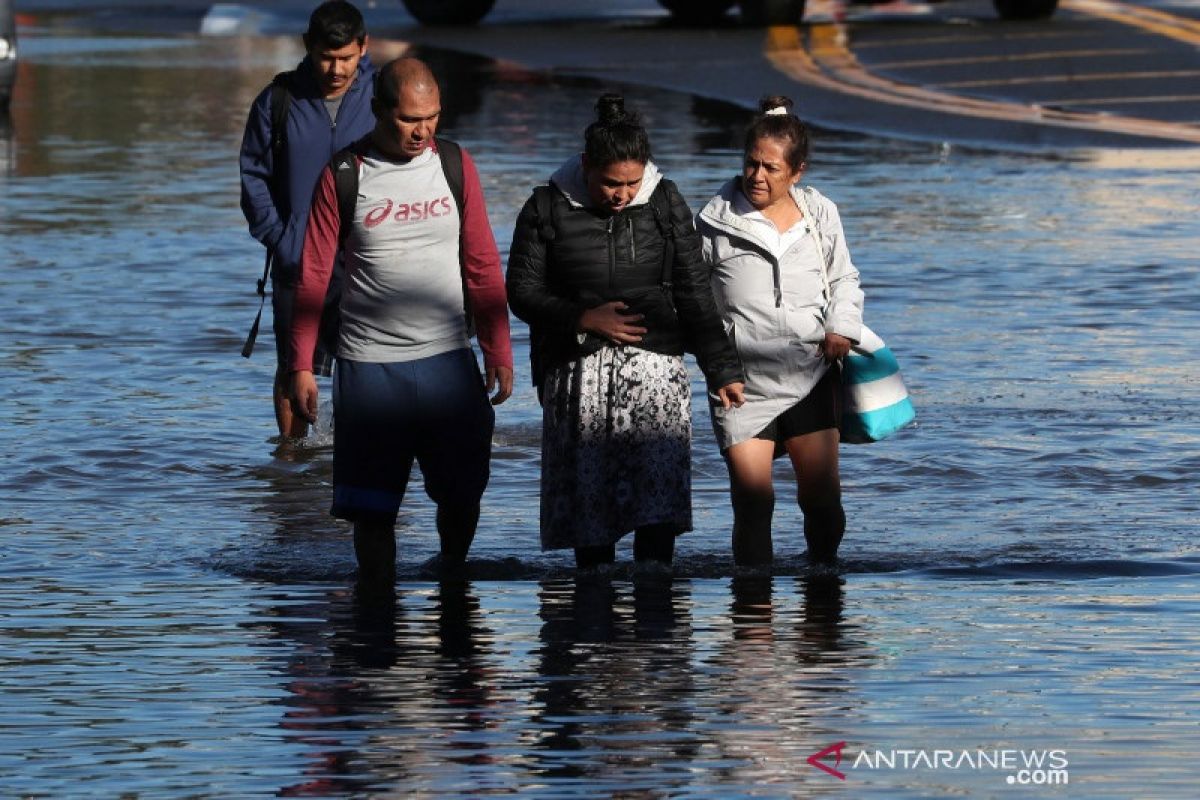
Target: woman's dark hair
x,y
784,126
616,135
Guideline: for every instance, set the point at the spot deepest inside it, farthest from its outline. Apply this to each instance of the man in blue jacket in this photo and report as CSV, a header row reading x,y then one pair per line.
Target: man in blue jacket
x,y
325,104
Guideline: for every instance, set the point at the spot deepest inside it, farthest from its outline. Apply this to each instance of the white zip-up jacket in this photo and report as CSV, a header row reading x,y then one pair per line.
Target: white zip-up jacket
x,y
774,305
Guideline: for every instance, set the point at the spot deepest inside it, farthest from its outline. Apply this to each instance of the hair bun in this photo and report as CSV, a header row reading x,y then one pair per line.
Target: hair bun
x,y
610,108
616,135
775,104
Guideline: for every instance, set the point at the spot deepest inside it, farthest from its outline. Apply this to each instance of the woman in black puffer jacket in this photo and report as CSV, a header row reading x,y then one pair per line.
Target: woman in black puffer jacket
x,y
606,268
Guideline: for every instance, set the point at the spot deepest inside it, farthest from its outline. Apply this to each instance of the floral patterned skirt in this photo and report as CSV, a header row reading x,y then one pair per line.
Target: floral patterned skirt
x,y
616,447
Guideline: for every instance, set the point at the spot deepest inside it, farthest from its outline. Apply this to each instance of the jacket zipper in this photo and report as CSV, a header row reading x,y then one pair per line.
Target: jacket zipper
x,y
333,148
632,245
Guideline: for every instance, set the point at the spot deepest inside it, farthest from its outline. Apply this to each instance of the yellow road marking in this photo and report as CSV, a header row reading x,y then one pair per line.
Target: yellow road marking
x,y
1171,26
825,60
968,36
1004,58
1096,76
1107,101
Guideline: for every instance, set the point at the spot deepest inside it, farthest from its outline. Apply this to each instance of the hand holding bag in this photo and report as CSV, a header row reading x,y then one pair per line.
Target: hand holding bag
x,y
875,402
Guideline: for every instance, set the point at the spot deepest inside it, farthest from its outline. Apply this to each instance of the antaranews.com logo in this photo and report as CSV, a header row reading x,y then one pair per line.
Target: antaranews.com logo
x,y
1022,767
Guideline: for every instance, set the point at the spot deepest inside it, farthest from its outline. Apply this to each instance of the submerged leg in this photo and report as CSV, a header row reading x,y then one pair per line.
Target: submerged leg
x,y
824,527
819,492
290,423
752,493
655,543
595,555
375,549
456,529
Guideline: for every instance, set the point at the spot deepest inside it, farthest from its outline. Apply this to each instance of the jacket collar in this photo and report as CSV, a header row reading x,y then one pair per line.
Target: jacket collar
x,y
722,214
304,80
569,180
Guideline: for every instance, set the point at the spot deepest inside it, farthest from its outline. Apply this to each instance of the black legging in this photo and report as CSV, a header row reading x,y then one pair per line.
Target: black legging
x,y
650,543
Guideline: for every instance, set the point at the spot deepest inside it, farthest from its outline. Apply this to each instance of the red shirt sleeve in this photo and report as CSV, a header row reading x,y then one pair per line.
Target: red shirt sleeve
x,y
485,279
316,266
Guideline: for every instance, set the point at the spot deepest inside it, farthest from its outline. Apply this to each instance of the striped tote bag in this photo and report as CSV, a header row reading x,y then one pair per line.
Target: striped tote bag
x,y
875,402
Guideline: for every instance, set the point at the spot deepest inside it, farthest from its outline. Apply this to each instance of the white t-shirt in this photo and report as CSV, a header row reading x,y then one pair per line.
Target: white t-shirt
x,y
778,241
403,298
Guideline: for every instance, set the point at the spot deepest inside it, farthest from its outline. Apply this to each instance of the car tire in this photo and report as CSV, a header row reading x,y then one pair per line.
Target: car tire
x,y
449,12
758,13
697,12
1025,9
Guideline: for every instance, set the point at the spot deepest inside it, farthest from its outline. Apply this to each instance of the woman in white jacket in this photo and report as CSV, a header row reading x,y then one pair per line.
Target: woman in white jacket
x,y
791,302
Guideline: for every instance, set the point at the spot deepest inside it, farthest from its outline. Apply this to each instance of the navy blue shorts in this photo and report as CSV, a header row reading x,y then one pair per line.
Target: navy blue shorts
x,y
434,409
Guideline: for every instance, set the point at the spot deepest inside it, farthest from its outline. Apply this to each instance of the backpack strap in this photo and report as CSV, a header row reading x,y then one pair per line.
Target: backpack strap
x,y
344,166
450,154
543,204
452,165
661,208
280,102
252,336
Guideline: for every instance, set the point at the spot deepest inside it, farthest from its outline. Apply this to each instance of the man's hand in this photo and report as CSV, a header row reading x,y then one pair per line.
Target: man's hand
x,y
500,379
304,395
835,347
732,395
613,323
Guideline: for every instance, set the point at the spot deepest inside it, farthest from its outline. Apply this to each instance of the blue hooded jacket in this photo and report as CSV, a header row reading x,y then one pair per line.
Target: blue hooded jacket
x,y
276,208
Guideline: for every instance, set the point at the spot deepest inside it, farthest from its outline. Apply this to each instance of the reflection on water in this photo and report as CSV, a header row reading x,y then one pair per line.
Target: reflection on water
x,y
710,687
605,688
177,613
8,158
385,693
615,695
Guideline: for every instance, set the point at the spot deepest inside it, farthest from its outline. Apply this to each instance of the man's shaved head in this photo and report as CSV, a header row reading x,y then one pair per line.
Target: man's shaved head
x,y
403,74
407,105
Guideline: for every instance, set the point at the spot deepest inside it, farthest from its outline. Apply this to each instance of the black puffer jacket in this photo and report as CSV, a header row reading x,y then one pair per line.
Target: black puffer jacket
x,y
580,259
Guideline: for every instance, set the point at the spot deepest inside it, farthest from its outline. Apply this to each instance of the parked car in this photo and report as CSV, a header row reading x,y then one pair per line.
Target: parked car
x,y
8,51
753,12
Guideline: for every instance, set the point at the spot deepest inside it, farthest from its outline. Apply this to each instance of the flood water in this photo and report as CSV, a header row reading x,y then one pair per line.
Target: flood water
x,y
177,615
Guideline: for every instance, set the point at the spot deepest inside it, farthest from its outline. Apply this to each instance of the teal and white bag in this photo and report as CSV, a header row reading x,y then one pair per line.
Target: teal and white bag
x,y
875,402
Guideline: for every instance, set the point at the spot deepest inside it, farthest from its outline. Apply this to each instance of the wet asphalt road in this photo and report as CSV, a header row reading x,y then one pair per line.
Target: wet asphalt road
x,y
1100,73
